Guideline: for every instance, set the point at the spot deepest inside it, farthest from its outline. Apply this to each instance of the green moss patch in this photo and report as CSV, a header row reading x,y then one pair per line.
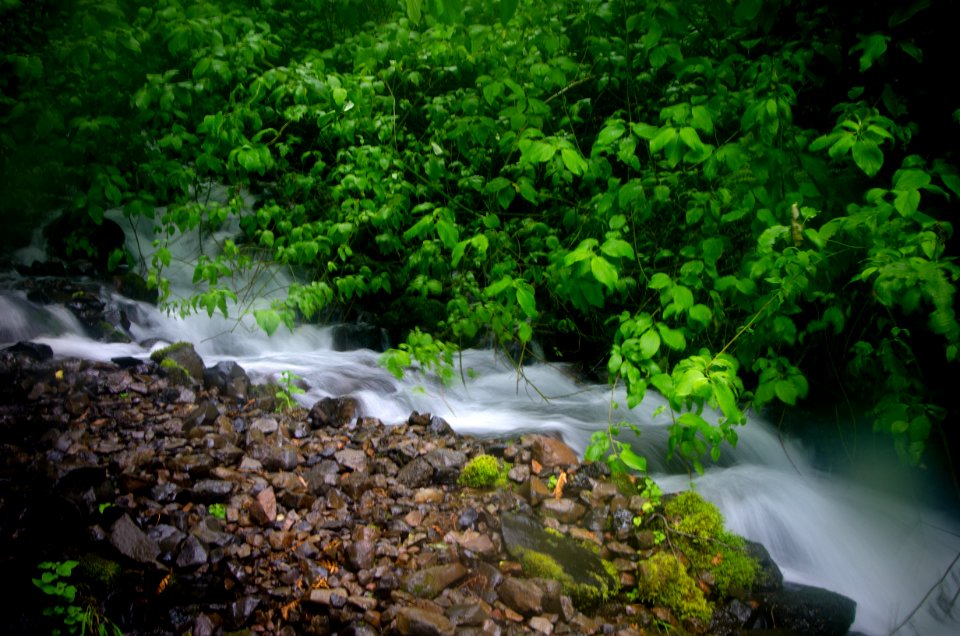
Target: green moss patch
x,y
483,471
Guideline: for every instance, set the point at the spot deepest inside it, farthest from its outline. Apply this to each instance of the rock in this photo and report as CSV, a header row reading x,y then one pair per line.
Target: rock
x,y
522,595
212,490
807,610
131,541
33,350
479,544
333,412
447,464
550,556
467,614
203,414
229,378
563,510
180,355
416,473
770,578
242,609
413,621
541,625
550,452
361,554
353,459
263,510
429,582
265,425
192,553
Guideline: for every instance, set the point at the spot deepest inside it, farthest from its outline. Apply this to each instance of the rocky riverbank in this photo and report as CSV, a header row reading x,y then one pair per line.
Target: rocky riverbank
x,y
191,505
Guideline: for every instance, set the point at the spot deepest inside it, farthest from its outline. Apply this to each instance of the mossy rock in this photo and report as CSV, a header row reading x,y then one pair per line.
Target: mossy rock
x,y
586,578
663,580
708,546
483,471
184,355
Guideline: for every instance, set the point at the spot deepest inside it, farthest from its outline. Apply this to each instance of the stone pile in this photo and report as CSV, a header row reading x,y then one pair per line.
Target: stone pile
x,y
226,516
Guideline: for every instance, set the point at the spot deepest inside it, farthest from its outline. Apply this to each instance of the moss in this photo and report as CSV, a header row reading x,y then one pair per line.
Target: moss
x,y
99,571
483,471
664,581
539,565
160,354
707,545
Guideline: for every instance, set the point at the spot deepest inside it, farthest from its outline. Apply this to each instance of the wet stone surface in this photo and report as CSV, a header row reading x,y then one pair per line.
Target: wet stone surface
x,y
222,515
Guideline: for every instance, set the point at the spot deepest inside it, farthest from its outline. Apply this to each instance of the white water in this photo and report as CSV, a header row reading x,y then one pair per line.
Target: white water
x,y
884,553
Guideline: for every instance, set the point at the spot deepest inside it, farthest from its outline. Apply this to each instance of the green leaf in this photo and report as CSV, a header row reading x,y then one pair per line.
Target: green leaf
x,y
702,119
673,338
610,133
649,344
632,460
414,10
786,391
690,137
507,9
574,162
539,152
497,288
617,248
868,156
659,281
873,46
907,202
267,319
666,135
527,302
604,272
701,313
747,10
911,179
725,400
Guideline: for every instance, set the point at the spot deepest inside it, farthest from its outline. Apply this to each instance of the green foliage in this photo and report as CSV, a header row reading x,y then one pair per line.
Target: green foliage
x,y
286,388
217,510
627,177
68,608
483,471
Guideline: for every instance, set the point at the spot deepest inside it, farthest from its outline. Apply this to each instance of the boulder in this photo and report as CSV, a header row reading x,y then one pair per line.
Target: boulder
x,y
550,452
180,356
804,609
333,412
553,556
229,378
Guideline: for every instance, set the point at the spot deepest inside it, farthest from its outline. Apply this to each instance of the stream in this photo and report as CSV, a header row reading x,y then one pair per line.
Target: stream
x,y
897,558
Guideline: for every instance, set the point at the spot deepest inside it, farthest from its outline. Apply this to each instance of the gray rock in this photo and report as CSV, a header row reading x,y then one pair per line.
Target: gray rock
x,y
212,489
521,595
413,621
266,425
353,459
229,378
333,412
192,553
131,541
361,554
563,510
416,473
429,582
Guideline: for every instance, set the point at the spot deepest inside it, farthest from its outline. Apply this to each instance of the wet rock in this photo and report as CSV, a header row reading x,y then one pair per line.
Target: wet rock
x,y
212,490
439,426
559,557
770,578
180,355
550,452
263,510
229,378
804,609
242,609
467,614
542,625
563,510
203,414
32,350
413,621
131,541
353,459
429,582
192,553
265,425
447,464
416,473
333,412
361,554
521,595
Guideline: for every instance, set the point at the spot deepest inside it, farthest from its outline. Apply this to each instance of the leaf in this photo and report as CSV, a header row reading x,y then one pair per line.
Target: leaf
x,y
726,400
673,338
574,162
747,10
495,289
539,152
690,137
632,460
507,9
414,10
448,233
649,344
659,281
868,156
702,119
610,133
786,391
911,179
664,137
527,302
907,202
604,272
617,248
267,319
873,46
701,313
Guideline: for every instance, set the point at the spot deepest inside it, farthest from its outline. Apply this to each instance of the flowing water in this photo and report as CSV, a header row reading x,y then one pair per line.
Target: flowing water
x,y
896,558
